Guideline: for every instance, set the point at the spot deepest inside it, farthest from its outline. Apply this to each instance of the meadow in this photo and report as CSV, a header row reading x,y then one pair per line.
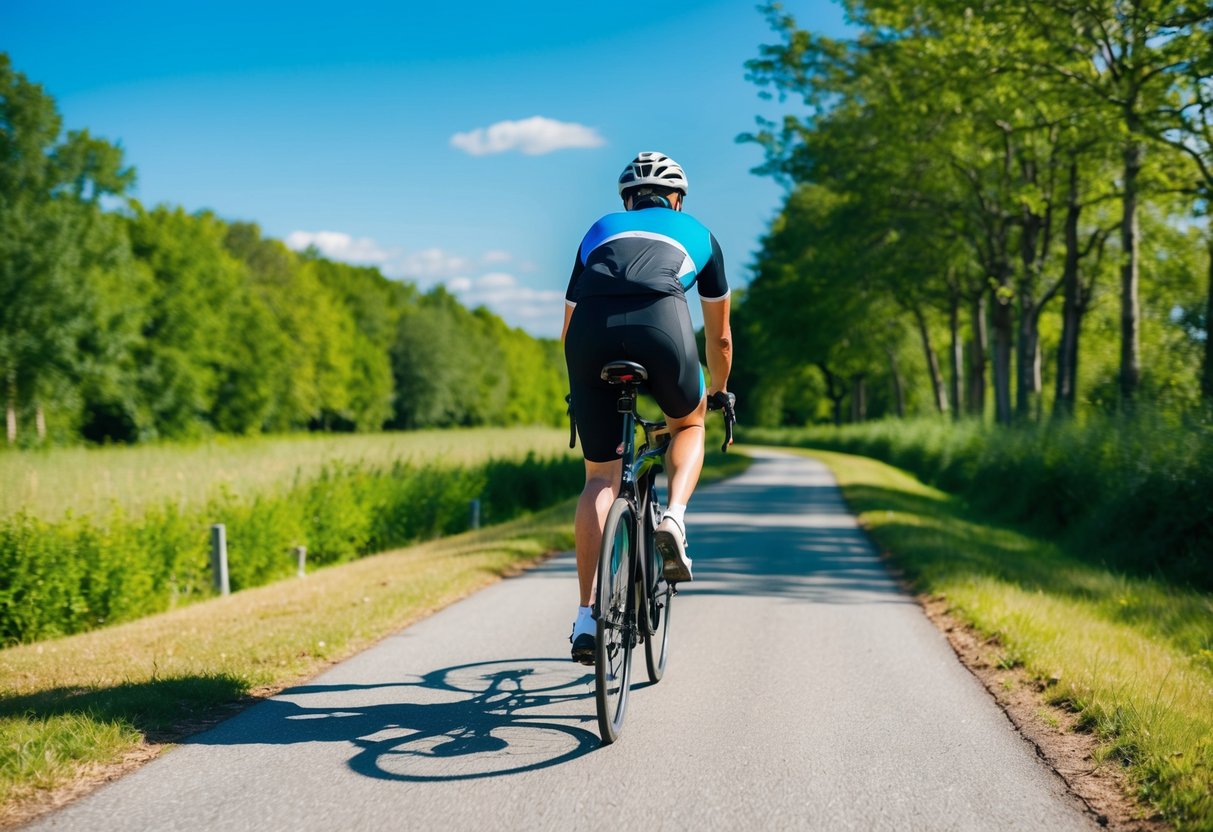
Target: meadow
x,y
95,480
144,547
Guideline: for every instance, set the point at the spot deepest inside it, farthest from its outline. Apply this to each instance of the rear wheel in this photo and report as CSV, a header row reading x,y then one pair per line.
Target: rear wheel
x,y
659,599
616,620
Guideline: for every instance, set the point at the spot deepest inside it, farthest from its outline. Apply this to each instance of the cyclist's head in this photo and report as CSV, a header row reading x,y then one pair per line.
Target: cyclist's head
x,y
652,179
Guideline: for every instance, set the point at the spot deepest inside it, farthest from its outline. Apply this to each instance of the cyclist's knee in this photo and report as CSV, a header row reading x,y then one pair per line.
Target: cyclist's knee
x,y
694,419
602,475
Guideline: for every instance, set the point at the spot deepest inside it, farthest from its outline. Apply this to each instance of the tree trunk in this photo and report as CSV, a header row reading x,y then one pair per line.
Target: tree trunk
x,y
1002,325
977,357
10,409
937,383
1206,381
1027,358
957,356
899,387
1130,311
1072,308
859,398
835,391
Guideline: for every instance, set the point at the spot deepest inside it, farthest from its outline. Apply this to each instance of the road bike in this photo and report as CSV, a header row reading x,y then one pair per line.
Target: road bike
x,y
633,600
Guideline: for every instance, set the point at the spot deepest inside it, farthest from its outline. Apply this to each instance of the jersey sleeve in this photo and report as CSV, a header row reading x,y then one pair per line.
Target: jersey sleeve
x,y
713,287
570,294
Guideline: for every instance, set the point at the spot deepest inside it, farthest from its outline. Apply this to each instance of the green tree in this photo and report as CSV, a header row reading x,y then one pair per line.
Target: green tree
x,y
49,236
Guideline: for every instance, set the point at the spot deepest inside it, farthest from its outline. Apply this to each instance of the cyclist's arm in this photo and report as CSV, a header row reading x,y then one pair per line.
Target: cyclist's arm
x,y
570,295
718,336
718,341
568,316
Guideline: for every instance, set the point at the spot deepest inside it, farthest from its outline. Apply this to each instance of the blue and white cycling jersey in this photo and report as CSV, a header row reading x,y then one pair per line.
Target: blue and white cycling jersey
x,y
647,251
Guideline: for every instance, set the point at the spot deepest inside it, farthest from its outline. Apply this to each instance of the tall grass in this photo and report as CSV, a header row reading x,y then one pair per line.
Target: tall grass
x,y
53,482
79,573
1131,493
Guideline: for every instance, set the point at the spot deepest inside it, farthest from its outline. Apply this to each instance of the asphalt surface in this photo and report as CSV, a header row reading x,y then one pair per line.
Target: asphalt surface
x,y
804,691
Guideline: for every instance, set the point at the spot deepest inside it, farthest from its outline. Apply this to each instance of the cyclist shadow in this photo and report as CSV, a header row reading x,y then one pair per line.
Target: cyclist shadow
x,y
486,719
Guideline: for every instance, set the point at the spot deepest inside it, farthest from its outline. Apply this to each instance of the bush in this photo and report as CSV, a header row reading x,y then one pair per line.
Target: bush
x,y
66,577
1130,492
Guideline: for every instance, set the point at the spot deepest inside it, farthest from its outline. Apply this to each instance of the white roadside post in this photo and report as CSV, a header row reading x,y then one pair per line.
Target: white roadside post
x,y
475,514
301,556
219,559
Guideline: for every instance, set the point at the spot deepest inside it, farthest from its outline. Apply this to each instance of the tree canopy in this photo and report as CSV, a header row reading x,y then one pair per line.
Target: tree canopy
x,y
995,181
120,322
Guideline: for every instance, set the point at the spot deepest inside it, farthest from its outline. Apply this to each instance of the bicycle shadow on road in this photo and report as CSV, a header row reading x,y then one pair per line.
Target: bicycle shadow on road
x,y
464,722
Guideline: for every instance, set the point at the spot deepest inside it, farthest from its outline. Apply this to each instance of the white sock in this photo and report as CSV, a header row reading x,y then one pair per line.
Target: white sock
x,y
676,511
585,622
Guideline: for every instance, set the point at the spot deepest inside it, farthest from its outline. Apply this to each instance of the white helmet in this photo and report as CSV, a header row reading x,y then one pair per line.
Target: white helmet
x,y
652,168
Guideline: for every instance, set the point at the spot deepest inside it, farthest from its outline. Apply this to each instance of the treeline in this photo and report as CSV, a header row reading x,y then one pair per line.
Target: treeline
x,y
991,206
120,323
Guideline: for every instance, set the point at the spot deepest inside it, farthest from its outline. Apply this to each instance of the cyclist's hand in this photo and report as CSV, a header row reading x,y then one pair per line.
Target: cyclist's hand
x,y
722,400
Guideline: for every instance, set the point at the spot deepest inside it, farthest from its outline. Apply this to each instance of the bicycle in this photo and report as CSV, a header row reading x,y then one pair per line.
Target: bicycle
x,y
632,599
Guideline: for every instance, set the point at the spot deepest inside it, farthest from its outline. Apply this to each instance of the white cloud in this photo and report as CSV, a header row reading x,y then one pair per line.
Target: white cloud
x,y
337,245
538,311
533,136
427,265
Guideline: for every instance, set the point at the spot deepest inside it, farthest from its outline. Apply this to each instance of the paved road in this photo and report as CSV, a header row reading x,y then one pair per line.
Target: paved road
x,y
804,692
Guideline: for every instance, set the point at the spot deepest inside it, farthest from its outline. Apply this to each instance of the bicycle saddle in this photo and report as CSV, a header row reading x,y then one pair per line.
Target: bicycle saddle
x,y
624,372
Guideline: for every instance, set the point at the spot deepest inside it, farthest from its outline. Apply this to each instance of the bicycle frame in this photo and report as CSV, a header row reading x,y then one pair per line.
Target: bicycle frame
x,y
638,473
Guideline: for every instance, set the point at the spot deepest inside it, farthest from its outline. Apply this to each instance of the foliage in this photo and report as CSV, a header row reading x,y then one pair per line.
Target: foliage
x,y
72,575
150,323
998,177
1128,492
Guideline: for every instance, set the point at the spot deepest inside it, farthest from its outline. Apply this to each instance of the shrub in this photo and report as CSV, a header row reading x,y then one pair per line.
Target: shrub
x,y
70,576
1130,492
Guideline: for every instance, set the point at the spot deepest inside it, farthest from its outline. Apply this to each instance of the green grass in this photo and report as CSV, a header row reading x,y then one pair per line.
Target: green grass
x,y
1127,491
93,481
73,705
1132,656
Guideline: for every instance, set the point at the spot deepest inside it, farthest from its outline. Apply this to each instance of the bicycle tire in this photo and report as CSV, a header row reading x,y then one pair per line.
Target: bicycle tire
x,y
617,625
658,597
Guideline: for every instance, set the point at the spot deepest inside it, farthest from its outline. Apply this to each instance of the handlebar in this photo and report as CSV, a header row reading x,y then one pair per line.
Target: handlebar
x,y
721,400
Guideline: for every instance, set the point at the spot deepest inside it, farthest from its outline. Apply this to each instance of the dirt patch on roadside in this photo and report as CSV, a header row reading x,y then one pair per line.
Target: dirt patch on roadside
x,y
1104,788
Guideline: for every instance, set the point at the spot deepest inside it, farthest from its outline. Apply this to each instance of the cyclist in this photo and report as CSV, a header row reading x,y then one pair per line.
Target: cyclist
x,y
626,300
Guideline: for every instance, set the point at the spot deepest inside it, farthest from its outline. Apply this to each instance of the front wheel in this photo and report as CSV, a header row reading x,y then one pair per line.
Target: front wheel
x,y
617,629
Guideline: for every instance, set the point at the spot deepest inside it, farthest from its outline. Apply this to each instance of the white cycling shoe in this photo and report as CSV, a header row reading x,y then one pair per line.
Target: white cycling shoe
x,y
671,542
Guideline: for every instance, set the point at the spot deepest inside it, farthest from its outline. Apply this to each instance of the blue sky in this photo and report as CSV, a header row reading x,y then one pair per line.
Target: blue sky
x,y
337,123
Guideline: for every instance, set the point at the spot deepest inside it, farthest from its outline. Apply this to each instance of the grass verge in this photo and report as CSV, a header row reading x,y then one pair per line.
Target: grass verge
x,y
1132,658
77,711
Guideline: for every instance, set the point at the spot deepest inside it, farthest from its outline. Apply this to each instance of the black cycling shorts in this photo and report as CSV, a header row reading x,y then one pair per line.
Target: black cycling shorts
x,y
652,330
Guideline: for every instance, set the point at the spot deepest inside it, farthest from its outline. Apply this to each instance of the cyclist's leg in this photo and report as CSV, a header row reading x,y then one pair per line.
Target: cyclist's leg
x,y
587,347
601,489
663,334
684,459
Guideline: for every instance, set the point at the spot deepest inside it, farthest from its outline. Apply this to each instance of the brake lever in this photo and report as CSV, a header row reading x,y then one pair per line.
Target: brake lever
x,y
725,401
